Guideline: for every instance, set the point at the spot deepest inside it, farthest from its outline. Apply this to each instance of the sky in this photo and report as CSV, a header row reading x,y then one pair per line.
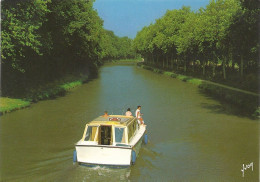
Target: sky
x,y
127,17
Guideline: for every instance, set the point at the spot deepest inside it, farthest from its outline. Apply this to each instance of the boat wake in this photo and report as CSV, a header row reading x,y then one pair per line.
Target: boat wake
x,y
100,173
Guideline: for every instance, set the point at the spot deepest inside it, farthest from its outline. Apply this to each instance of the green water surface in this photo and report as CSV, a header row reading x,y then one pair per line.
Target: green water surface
x,y
191,136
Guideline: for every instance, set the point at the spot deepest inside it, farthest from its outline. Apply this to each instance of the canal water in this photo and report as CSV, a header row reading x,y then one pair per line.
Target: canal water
x,y
191,136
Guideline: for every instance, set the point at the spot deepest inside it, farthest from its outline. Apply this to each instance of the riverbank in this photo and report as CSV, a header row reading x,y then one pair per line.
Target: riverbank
x,y
246,101
125,61
9,104
48,91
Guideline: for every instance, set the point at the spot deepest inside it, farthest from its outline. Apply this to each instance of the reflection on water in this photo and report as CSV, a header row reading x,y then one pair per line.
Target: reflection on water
x,y
191,137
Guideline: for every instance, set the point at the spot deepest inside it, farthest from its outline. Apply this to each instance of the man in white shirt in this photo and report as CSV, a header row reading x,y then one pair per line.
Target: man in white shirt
x,y
138,115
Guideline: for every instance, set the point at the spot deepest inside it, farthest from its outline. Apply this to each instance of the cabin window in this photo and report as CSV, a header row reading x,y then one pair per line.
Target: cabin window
x,y
91,133
134,125
131,129
120,135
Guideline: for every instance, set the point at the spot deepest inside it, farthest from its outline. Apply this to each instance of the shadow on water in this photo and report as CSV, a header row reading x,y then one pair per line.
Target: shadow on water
x,y
224,107
147,154
234,101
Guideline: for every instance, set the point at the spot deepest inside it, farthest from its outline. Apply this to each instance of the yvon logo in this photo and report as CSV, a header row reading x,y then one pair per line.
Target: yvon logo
x,y
247,166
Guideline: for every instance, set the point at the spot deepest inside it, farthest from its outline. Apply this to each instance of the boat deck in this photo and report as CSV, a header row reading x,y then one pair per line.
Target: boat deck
x,y
112,120
138,135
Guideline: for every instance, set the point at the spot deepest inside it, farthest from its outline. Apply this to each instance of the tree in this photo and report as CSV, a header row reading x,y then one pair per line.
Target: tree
x,y
20,39
45,40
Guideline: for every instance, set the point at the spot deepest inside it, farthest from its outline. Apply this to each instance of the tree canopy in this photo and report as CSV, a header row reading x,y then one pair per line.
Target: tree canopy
x,y
219,41
43,40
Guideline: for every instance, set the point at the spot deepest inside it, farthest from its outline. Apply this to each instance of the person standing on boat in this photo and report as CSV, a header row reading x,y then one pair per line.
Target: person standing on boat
x,y
128,112
138,115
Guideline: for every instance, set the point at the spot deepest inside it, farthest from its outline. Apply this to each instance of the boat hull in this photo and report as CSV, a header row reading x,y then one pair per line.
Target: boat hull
x,y
104,155
91,153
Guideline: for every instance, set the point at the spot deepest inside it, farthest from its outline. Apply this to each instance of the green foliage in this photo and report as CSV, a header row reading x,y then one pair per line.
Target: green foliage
x,y
116,47
55,88
126,61
7,104
19,38
195,81
182,77
50,90
167,73
215,42
71,85
45,40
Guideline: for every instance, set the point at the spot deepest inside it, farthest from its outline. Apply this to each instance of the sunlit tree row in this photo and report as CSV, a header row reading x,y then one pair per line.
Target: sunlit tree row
x,y
219,40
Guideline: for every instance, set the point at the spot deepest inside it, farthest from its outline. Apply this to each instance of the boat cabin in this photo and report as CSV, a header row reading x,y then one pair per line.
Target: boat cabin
x,y
116,130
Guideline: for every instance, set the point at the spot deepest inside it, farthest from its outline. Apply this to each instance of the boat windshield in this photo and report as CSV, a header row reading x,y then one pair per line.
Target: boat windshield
x,y
91,133
120,135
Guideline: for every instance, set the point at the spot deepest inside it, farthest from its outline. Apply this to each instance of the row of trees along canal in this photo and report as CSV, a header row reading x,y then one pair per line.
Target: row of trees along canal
x,y
218,42
45,40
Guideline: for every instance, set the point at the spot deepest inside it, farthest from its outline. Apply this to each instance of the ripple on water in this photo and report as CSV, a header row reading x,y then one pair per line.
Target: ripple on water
x,y
98,173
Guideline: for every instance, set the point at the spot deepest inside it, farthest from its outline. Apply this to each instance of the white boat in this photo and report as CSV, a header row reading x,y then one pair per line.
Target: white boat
x,y
114,141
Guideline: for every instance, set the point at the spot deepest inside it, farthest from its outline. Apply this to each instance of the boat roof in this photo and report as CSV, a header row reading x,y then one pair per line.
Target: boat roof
x,y
112,120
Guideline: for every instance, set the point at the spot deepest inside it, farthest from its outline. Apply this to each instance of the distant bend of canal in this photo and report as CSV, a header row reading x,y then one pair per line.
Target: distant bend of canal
x,y
191,136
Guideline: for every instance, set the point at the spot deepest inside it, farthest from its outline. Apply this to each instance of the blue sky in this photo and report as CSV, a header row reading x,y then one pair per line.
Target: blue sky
x,y
127,17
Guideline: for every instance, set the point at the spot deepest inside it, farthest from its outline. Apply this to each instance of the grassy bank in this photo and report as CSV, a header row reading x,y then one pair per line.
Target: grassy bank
x,y
246,101
8,104
48,91
56,88
125,61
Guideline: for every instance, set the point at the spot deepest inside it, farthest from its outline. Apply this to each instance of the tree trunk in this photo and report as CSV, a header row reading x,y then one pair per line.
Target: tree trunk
x,y
232,62
167,61
185,66
224,68
163,63
214,70
157,61
203,67
242,66
172,62
152,59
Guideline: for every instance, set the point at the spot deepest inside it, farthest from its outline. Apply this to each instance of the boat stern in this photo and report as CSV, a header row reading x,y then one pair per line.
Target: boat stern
x,y
104,155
